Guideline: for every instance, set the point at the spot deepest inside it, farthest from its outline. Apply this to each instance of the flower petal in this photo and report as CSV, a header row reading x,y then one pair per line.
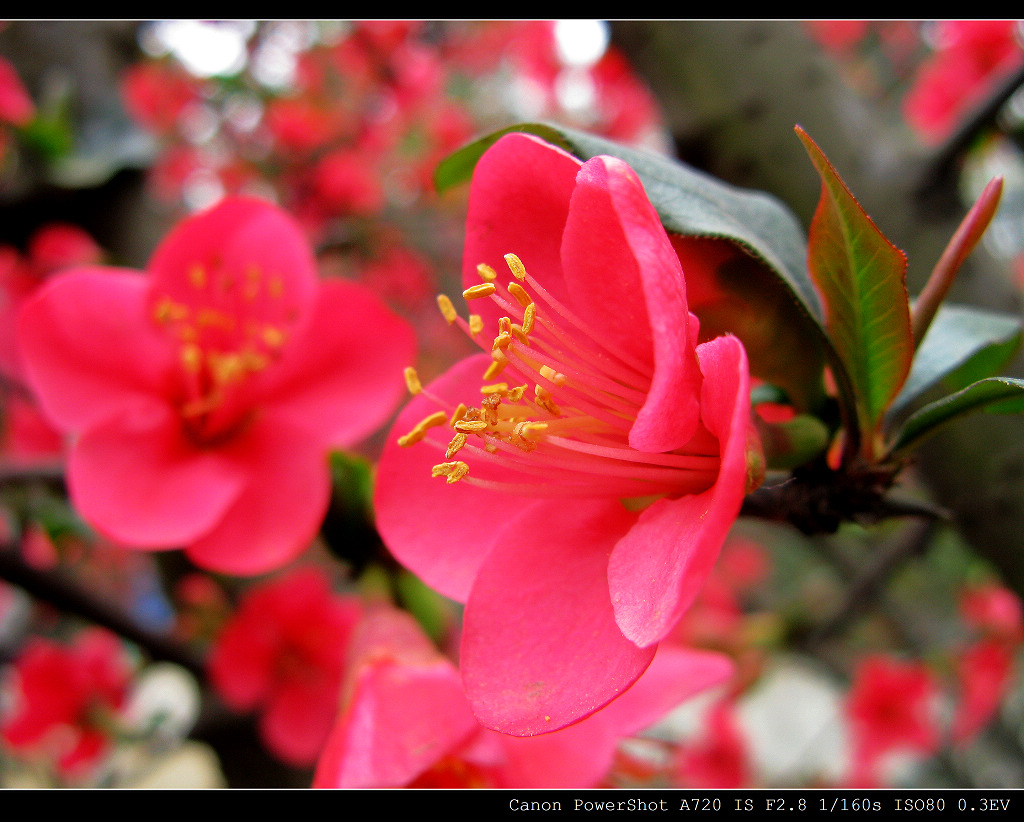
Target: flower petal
x,y
582,754
625,280
244,259
88,346
540,648
281,506
440,531
343,377
137,478
518,203
657,569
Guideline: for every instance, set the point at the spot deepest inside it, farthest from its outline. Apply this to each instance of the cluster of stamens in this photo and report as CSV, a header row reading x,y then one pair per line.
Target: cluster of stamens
x,y
575,421
219,348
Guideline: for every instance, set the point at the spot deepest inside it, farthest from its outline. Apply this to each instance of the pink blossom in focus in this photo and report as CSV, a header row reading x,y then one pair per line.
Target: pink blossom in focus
x,y
205,394
405,721
599,394
65,697
283,654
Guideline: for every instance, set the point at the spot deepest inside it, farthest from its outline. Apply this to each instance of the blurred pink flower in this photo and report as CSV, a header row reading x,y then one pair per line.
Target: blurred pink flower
x,y
719,759
16,107
64,698
283,654
993,610
405,721
890,708
970,57
985,672
205,395
568,591
157,94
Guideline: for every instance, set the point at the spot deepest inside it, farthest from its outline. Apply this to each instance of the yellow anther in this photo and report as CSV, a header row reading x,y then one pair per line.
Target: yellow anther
x,y
455,445
458,414
515,394
502,341
453,471
197,275
550,374
505,325
529,317
515,265
497,388
421,428
191,357
167,309
273,336
470,426
412,381
476,324
475,292
495,368
487,274
543,398
519,334
447,309
520,294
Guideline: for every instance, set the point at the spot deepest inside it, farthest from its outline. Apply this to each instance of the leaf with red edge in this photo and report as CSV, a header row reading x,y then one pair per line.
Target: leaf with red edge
x,y
861,278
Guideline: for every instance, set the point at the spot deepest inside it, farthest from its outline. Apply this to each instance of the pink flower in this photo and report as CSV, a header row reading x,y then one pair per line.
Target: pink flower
x,y
16,107
985,672
720,759
970,58
568,590
406,722
890,709
65,697
205,395
283,653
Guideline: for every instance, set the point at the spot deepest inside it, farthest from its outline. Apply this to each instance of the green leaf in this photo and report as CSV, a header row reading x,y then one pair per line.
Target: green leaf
x,y
765,296
1003,395
963,344
861,277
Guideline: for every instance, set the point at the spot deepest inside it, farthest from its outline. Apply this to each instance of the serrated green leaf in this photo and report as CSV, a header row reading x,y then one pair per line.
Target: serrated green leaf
x,y
1002,395
774,301
963,344
861,277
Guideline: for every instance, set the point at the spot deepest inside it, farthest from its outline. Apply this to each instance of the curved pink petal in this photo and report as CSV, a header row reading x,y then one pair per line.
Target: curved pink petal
x,y
299,719
657,569
138,479
343,377
625,280
518,203
582,754
403,708
440,531
244,258
88,346
281,506
540,647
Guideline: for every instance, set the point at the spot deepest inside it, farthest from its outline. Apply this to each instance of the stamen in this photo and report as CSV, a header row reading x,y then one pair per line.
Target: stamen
x,y
419,431
454,471
412,381
496,367
476,324
529,317
458,414
455,445
487,274
520,294
475,292
497,388
447,309
515,265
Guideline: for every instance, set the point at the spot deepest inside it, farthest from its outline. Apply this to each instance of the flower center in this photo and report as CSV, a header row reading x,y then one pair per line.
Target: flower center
x,y
558,422
225,336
